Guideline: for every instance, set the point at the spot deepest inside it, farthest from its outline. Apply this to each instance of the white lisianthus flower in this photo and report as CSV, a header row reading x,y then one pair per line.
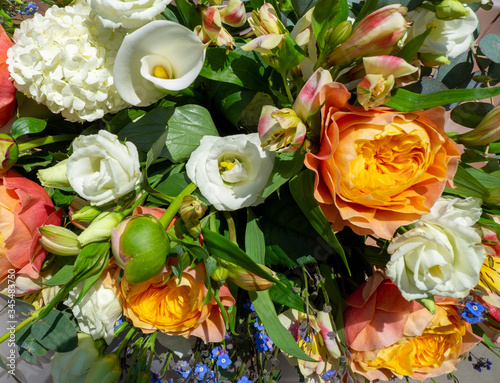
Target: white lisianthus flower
x,y
442,255
230,171
127,13
65,60
97,312
159,57
101,168
448,38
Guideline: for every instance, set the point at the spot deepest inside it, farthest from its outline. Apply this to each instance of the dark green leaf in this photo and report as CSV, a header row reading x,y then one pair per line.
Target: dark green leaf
x,y
290,55
285,295
327,14
62,277
90,257
277,332
230,99
368,7
286,165
123,118
302,188
426,85
223,248
30,344
302,6
27,125
190,16
470,114
467,186
234,68
255,244
21,306
411,48
187,126
490,46
406,101
55,332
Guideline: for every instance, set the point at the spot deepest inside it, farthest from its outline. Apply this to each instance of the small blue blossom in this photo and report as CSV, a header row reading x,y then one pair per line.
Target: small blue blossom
x,y
155,377
200,370
482,363
475,308
248,305
210,378
118,323
470,317
30,9
260,337
244,379
258,326
216,352
261,347
328,375
223,361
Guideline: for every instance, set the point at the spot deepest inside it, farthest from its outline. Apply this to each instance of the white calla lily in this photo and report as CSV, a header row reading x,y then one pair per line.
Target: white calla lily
x,y
159,57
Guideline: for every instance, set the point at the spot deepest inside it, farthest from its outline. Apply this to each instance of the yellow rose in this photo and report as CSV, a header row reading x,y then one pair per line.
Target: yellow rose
x,y
436,351
176,308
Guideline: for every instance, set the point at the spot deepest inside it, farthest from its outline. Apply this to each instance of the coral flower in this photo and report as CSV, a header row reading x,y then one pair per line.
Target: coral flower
x,y
24,207
7,88
379,169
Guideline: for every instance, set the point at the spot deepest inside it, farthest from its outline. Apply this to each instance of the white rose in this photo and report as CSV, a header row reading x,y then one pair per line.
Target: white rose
x,y
97,312
230,171
101,168
442,255
127,13
448,38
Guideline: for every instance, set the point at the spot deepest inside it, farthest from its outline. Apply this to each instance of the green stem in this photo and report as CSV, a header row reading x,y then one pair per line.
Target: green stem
x,y
173,208
287,89
44,141
25,322
125,341
152,349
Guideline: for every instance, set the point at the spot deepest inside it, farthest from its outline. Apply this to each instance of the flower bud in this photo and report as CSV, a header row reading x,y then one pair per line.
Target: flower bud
x,y
234,13
376,34
106,369
339,34
55,176
140,246
450,10
220,274
8,153
247,280
73,365
100,228
486,132
58,240
192,208
281,130
86,214
431,59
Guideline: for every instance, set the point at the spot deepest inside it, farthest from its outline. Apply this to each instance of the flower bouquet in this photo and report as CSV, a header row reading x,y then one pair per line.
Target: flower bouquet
x,y
191,190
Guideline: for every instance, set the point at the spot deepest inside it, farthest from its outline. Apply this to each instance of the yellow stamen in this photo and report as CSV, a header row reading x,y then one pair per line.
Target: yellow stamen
x,y
230,166
160,72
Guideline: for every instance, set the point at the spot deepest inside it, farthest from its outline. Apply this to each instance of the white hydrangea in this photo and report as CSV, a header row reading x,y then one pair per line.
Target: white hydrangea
x,y
65,60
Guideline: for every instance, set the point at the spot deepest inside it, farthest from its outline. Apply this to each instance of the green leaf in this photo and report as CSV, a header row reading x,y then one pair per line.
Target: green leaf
x,y
406,101
277,332
286,165
62,277
187,126
190,16
234,68
285,295
302,6
290,55
411,48
27,125
302,188
30,344
470,114
255,244
490,46
90,256
327,14
223,248
55,332
368,7
428,303
230,99
123,118
467,186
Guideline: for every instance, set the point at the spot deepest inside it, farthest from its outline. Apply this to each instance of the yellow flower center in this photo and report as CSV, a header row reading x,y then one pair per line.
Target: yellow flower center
x,y
161,72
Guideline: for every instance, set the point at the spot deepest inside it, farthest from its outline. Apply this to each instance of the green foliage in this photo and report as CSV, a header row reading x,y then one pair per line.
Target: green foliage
x,y
286,165
55,332
27,125
327,14
470,114
490,46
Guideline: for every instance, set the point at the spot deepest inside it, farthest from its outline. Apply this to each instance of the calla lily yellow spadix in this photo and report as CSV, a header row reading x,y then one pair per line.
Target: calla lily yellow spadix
x,y
161,56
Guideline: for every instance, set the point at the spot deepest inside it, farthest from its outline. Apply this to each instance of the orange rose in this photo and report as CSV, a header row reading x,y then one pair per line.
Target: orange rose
x,y
24,207
7,89
388,337
379,169
176,308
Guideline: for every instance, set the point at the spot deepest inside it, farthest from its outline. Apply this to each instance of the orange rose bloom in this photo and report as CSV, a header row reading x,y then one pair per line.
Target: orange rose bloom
x,y
388,336
176,309
379,169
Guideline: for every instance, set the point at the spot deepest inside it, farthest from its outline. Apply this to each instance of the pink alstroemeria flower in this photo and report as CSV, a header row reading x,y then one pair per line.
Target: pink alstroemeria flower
x,y
381,74
375,35
281,130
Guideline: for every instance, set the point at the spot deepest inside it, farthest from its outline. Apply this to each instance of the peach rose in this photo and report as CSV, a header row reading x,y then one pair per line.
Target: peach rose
x,y
388,336
7,89
379,169
24,207
175,308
